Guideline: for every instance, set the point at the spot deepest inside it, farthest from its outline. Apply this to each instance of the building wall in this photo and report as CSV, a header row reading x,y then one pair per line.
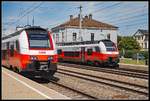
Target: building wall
x,y
86,34
142,40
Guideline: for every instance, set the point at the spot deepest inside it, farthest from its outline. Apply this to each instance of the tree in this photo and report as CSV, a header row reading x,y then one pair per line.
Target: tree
x,y
128,43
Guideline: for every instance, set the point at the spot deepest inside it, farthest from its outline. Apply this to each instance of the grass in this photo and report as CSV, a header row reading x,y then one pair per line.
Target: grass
x,y
130,61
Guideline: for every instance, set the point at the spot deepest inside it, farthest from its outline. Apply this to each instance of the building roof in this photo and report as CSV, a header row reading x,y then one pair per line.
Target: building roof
x,y
87,22
142,31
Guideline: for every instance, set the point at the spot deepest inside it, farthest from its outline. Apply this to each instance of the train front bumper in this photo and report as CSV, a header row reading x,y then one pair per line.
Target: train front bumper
x,y
112,61
40,68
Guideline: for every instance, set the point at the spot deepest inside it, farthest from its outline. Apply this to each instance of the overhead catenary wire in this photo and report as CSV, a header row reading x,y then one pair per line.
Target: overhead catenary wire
x,y
122,21
106,7
124,12
31,10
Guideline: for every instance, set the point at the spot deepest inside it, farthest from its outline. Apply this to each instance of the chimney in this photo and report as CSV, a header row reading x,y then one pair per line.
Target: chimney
x,y
90,16
86,17
78,15
71,17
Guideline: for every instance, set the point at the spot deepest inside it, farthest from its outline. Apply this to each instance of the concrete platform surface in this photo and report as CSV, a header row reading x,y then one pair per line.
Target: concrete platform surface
x,y
15,86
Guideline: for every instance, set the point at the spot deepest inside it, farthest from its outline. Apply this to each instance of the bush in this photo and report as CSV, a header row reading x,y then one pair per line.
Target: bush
x,y
129,53
145,54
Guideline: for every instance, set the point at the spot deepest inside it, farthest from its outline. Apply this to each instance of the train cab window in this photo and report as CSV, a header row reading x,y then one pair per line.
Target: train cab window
x,y
89,51
17,45
97,49
38,40
12,50
59,51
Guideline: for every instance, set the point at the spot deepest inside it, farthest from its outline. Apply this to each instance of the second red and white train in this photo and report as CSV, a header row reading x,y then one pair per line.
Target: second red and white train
x,y
102,52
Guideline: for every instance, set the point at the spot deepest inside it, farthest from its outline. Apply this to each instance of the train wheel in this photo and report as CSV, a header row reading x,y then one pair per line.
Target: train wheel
x,y
89,63
96,63
15,69
117,66
11,68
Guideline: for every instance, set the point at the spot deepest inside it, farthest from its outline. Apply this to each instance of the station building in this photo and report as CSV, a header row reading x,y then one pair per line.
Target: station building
x,y
91,30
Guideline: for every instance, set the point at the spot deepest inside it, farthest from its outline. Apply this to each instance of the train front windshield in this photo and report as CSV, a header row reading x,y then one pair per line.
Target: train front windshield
x,y
110,46
38,40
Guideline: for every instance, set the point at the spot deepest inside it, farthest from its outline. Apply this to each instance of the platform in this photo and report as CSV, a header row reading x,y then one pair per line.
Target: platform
x,y
15,86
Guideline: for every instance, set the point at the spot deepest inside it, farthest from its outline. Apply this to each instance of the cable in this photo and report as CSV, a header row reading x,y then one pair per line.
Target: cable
x,y
27,13
107,7
129,11
131,20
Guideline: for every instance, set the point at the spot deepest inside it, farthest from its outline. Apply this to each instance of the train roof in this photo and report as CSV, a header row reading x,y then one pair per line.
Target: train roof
x,y
26,28
83,42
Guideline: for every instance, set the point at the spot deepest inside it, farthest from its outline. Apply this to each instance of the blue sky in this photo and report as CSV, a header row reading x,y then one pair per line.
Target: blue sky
x,y
128,16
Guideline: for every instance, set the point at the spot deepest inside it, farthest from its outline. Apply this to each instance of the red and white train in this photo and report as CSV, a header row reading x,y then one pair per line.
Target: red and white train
x,y
30,50
102,52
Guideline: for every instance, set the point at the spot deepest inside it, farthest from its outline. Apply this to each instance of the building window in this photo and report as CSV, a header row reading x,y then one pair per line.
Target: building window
x,y
74,36
92,36
63,36
57,38
101,30
142,37
145,45
138,37
142,45
108,36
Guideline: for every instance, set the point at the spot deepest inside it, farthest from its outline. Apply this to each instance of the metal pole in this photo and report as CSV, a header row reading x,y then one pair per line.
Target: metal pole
x,y
27,20
80,23
137,57
33,21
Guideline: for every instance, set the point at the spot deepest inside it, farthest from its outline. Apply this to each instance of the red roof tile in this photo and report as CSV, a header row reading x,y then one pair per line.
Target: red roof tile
x,y
86,23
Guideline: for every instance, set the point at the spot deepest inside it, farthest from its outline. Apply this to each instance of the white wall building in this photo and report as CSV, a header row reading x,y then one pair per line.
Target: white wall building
x,y
142,38
91,30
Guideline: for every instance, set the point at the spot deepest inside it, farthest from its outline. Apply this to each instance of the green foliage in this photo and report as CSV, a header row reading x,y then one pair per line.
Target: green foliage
x,y
145,54
118,38
128,43
130,53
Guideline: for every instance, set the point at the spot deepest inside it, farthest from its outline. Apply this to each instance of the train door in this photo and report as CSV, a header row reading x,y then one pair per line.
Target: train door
x,y
82,54
7,54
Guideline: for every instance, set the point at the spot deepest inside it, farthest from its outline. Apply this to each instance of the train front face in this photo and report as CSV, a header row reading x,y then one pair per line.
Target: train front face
x,y
110,53
41,58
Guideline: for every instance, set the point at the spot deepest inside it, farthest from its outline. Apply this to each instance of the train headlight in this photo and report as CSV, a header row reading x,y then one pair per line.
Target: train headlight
x,y
33,57
50,58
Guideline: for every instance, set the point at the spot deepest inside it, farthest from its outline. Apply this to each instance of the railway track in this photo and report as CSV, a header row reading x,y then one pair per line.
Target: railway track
x,y
121,71
87,77
88,96
110,82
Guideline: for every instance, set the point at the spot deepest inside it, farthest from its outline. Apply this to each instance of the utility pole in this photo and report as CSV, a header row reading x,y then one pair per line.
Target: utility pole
x,y
33,21
80,23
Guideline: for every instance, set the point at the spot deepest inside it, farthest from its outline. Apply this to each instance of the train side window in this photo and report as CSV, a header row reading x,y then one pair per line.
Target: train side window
x,y
17,45
12,50
89,51
59,51
97,49
4,53
7,45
